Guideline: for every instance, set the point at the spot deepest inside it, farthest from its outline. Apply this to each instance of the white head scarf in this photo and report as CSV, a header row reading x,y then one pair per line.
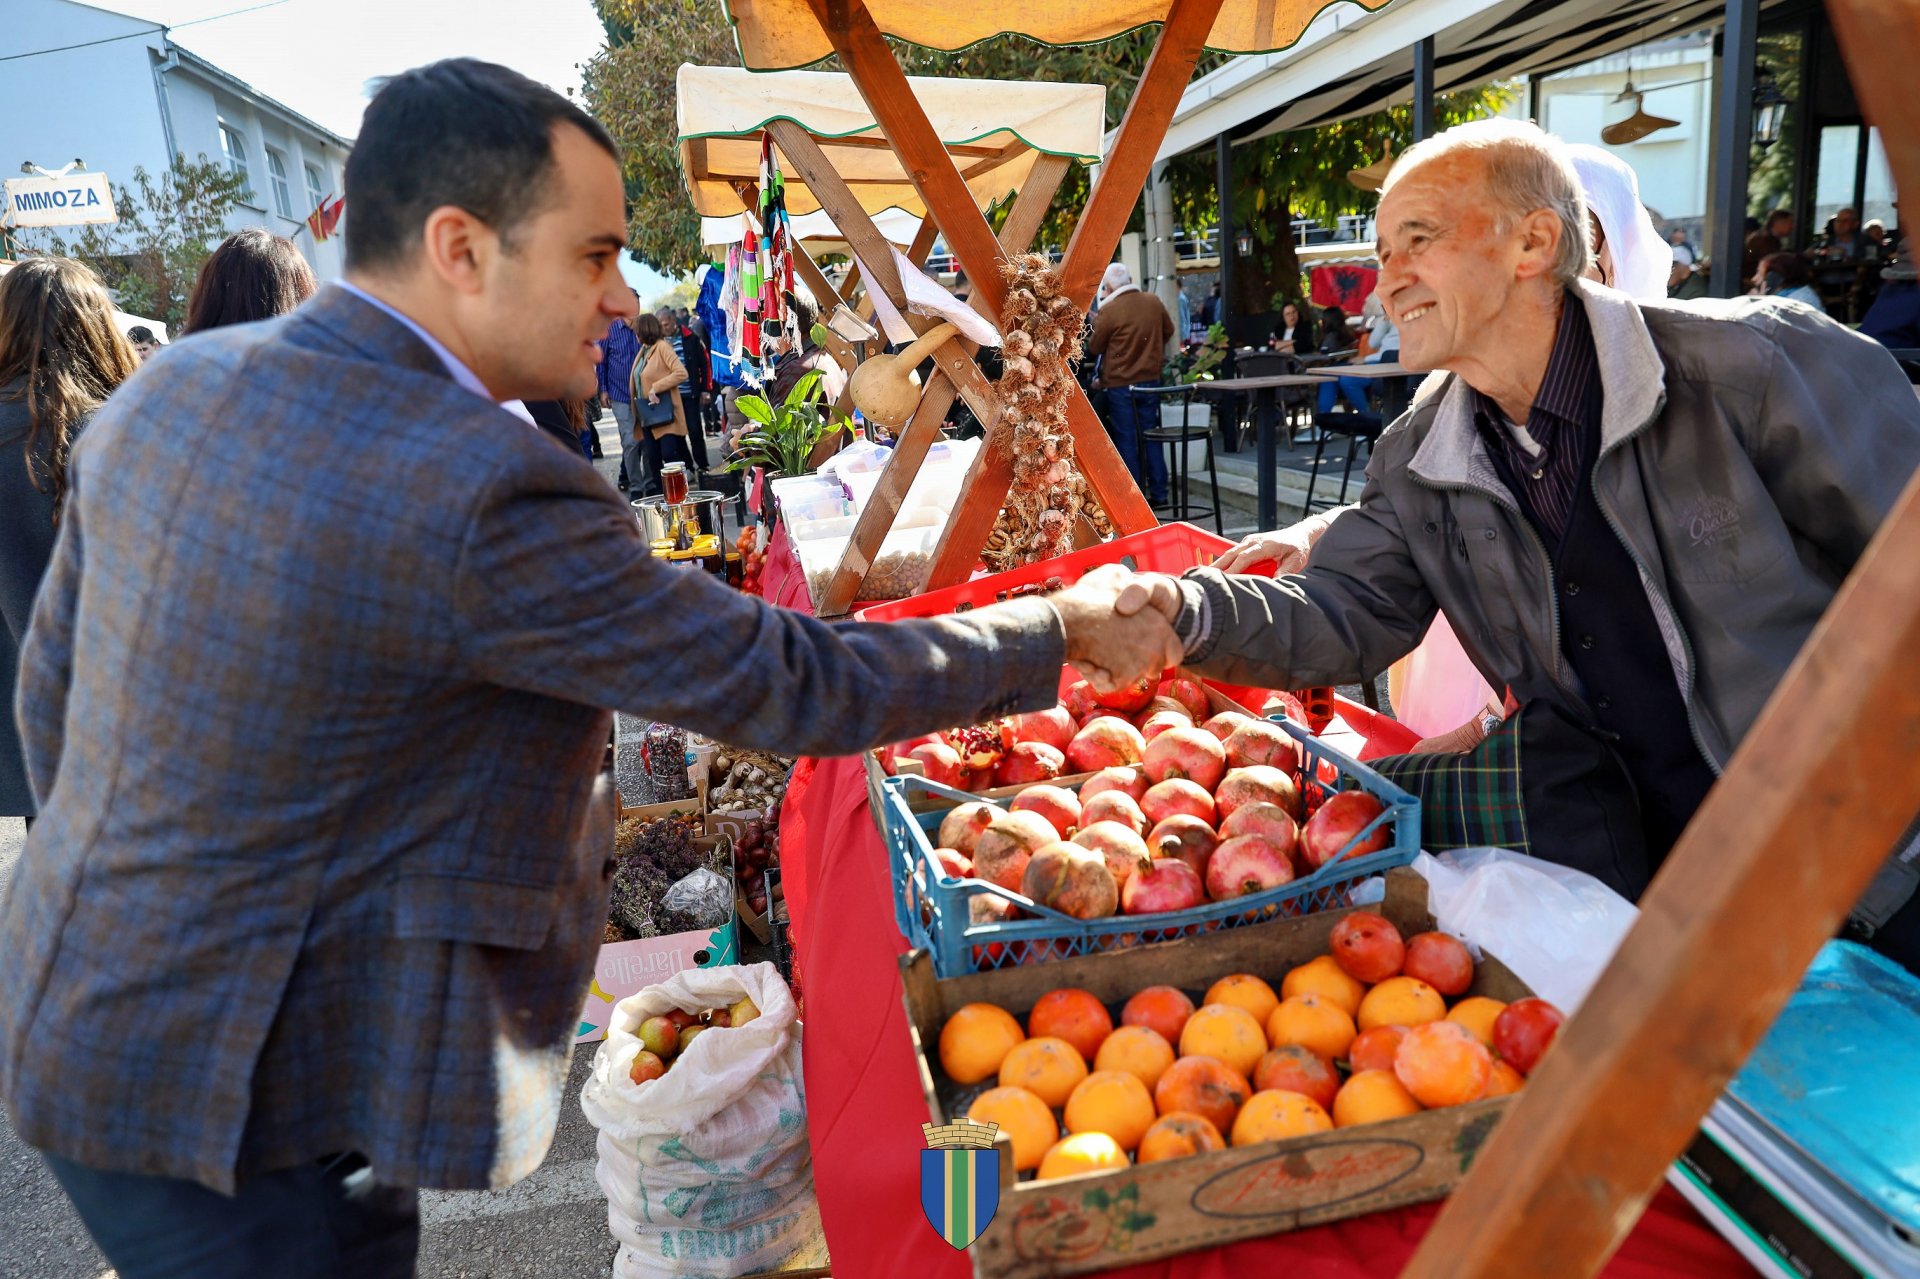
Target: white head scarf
x,y
1117,280
1642,260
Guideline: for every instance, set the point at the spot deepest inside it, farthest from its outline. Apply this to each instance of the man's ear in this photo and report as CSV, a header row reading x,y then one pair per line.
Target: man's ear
x,y
457,247
1539,233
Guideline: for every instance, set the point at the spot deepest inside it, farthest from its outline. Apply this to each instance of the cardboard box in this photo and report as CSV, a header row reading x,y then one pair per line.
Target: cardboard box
x,y
695,808
629,966
1084,1224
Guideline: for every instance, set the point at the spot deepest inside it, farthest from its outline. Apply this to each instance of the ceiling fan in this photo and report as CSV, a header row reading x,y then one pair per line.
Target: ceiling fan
x,y
1639,124
1371,177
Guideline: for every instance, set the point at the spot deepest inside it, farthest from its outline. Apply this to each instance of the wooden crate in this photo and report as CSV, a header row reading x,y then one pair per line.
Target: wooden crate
x,y
1080,1225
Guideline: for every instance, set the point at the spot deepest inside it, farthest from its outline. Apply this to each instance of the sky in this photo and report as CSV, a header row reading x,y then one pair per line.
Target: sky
x,y
317,56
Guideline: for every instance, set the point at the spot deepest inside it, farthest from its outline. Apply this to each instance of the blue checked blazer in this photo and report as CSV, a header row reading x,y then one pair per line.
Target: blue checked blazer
x,y
313,702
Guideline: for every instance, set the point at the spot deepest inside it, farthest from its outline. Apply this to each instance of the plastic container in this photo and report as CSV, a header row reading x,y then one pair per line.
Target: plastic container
x,y
933,911
810,497
935,487
900,568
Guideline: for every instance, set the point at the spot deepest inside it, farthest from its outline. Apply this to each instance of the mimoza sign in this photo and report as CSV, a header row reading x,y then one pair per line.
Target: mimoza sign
x,y
63,201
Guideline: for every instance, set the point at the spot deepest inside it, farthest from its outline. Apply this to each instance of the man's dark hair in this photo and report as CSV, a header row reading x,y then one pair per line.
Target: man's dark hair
x,y
142,334
459,132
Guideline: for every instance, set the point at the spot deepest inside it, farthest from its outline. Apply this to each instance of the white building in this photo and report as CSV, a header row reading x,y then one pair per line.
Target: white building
x,y
117,92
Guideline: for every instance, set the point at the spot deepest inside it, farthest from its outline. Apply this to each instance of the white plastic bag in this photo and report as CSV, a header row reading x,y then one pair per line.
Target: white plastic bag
x,y
707,1169
1555,927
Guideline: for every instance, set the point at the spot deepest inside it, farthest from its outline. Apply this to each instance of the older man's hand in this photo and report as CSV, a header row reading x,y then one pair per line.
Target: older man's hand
x,y
1109,646
1287,548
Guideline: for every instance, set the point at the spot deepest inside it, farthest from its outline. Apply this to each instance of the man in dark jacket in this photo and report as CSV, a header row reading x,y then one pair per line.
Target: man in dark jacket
x,y
1634,511
1130,335
618,352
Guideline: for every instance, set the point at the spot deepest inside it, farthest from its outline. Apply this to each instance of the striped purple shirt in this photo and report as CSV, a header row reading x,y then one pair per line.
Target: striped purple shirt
x,y
1566,410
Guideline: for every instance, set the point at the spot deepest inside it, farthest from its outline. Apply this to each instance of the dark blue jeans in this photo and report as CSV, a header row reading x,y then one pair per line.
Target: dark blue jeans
x,y
322,1219
1128,414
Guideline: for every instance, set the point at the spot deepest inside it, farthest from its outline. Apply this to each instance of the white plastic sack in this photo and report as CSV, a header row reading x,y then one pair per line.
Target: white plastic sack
x,y
1555,927
707,1170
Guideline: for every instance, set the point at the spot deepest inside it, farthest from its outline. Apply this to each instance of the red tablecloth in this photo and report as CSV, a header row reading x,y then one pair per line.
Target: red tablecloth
x,y
864,1107
782,580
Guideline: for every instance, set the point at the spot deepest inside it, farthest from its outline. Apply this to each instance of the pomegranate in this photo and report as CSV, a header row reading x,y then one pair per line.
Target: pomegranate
x,y
1262,741
940,762
1123,778
1072,880
1078,701
1054,726
1177,795
1028,762
1120,845
985,908
1192,753
1223,724
1160,885
1128,698
979,781
959,828
1339,820
1188,692
953,863
1172,705
1158,722
1256,784
890,756
1524,1031
1269,821
1106,741
1186,838
1441,961
1246,864
1001,852
1113,806
1060,806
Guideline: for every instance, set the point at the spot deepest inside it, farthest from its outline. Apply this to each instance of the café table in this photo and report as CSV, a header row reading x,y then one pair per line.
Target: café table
x,y
1395,394
1266,413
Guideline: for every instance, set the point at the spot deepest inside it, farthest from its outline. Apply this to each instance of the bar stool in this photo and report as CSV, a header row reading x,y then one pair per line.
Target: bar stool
x,y
1352,427
1176,439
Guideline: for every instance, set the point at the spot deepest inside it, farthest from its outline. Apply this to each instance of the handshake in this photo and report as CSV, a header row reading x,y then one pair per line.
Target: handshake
x,y
1120,626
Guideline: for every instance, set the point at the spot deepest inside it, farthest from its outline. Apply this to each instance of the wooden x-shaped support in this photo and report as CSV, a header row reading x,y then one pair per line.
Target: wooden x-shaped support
x,y
875,72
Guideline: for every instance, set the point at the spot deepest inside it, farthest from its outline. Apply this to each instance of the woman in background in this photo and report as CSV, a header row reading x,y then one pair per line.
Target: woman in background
x,y
1295,334
61,356
252,276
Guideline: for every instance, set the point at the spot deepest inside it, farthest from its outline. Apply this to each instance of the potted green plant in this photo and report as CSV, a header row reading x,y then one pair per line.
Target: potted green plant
x,y
785,434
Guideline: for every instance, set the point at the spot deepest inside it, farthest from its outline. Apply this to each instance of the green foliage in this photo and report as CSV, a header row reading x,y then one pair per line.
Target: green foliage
x,y
168,225
784,435
1199,363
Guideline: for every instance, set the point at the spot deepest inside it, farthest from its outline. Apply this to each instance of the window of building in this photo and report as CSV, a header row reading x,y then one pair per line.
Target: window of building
x,y
316,192
277,174
235,148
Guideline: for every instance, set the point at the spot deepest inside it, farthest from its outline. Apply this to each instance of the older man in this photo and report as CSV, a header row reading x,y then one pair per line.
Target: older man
x,y
1130,334
1635,511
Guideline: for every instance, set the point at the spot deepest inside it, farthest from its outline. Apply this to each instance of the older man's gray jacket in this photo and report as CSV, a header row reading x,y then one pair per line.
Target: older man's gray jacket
x,y
1749,450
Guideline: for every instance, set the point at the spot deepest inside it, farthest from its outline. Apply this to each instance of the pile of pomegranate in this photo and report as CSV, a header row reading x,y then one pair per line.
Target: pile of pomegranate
x,y
1181,807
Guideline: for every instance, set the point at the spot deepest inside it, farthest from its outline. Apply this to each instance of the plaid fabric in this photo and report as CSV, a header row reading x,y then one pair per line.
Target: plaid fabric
x,y
1473,800
315,700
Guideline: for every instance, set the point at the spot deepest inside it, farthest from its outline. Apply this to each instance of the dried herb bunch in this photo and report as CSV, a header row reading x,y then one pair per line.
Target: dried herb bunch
x,y
1042,342
649,858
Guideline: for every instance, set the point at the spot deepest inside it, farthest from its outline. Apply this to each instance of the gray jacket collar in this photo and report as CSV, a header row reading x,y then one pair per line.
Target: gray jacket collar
x,y
1632,381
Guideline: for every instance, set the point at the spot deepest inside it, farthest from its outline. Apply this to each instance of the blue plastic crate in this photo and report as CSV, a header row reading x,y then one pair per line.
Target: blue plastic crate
x,y
932,909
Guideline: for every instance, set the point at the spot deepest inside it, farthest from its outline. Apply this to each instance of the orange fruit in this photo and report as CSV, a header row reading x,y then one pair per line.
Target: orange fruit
x,y
1112,1102
1227,1034
1139,1051
1160,1008
976,1040
1276,1114
1442,1064
1073,1015
1374,1049
1503,1081
1178,1135
1244,990
1477,1014
1314,1022
1400,1001
1023,1117
1202,1086
1048,1068
1324,977
1370,1096
1082,1152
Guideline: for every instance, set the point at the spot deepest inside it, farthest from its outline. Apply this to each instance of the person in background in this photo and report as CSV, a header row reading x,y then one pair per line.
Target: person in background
x,y
1130,334
1786,275
1183,317
1381,346
1335,337
61,356
1682,249
693,356
1894,318
1295,334
566,421
658,375
144,344
252,276
321,744
618,353
1875,232
1210,308
1772,237
1841,241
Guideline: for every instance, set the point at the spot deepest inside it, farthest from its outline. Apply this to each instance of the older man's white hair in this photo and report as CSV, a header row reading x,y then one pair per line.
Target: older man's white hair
x,y
1526,169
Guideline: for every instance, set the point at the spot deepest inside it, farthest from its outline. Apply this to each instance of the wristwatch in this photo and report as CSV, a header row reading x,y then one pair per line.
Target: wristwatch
x,y
1489,722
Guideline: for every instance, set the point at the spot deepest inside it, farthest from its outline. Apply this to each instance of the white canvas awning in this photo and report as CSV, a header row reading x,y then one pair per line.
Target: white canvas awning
x,y
994,129
815,230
